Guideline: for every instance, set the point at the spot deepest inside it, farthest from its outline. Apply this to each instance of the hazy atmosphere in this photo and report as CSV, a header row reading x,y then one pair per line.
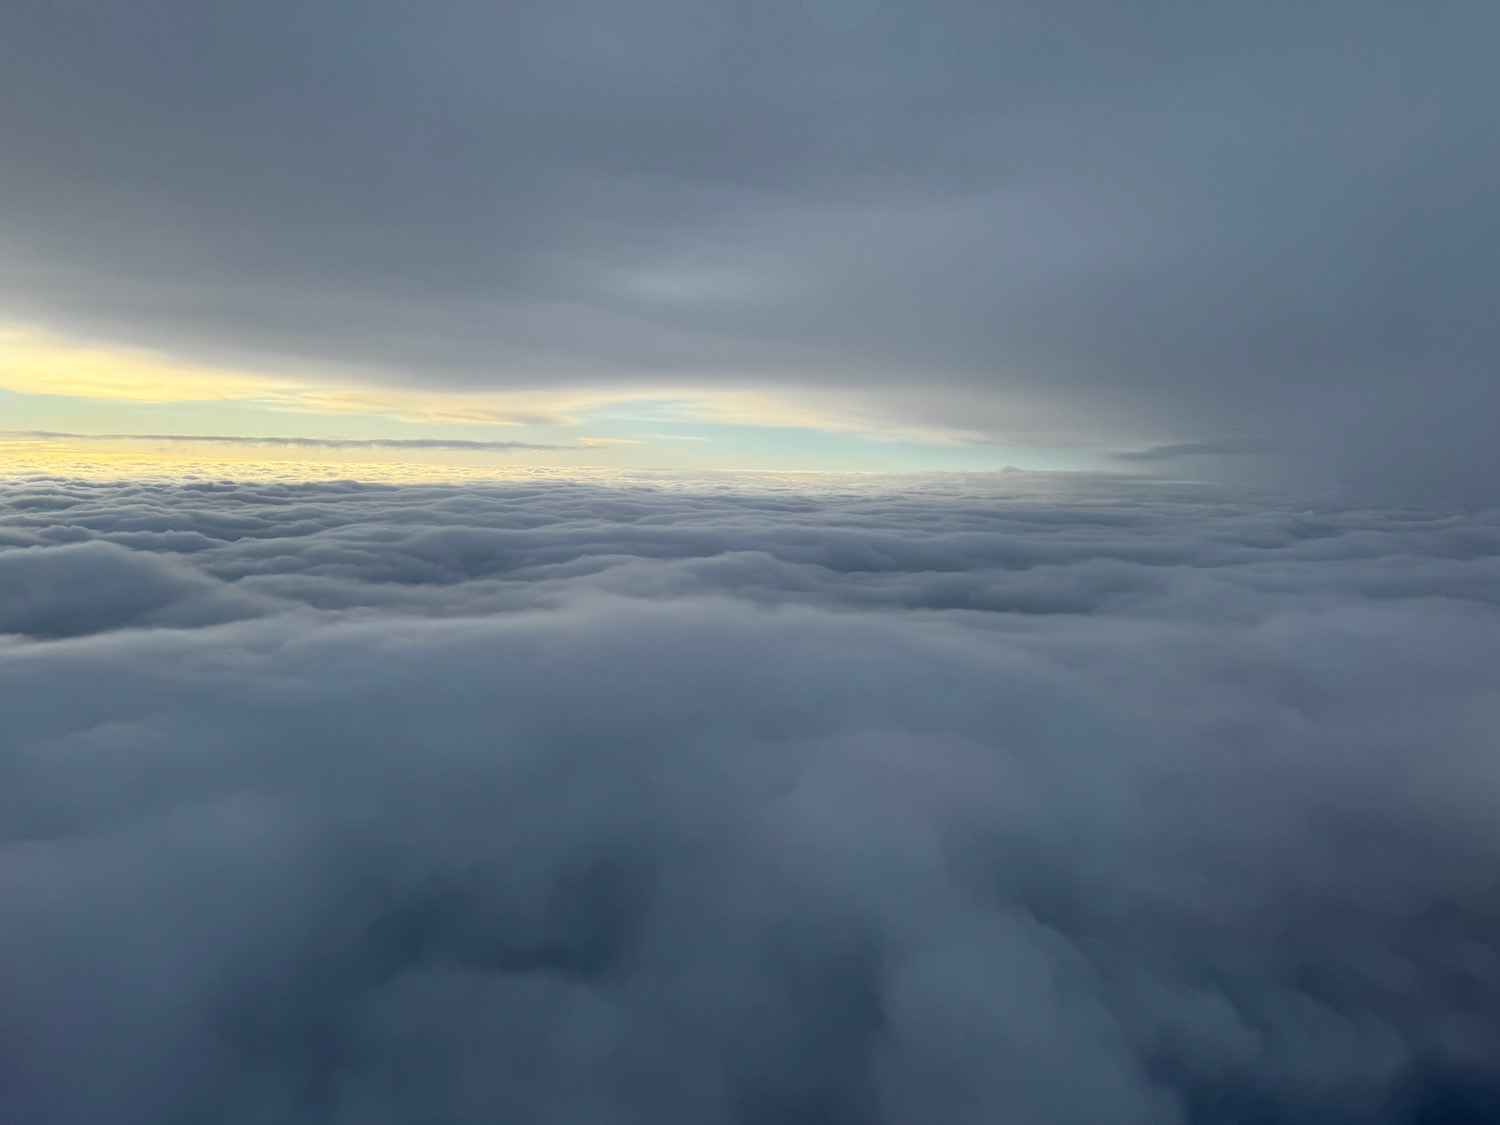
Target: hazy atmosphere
x,y
1028,233
807,562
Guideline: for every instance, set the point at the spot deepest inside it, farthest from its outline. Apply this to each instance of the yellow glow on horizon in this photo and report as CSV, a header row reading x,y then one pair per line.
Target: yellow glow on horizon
x,y
63,456
35,361
21,459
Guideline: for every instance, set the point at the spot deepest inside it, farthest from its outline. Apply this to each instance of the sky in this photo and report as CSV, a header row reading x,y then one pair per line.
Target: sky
x,y
1252,242
749,562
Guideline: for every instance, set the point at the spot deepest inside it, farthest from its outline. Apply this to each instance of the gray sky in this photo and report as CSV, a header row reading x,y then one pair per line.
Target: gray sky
x,y
1268,230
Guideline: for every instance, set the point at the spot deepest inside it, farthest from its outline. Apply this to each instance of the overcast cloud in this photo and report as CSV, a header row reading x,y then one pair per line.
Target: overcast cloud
x,y
1019,798
733,799
1128,225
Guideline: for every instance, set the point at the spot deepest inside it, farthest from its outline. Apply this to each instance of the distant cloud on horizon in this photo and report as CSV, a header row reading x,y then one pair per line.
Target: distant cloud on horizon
x,y
1226,447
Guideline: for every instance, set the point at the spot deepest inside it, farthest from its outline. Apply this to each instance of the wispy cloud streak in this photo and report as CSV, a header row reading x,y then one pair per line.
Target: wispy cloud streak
x,y
414,444
1228,447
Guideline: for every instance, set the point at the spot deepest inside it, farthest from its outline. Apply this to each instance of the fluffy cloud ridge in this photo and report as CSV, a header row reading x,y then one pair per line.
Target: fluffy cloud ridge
x,y
954,800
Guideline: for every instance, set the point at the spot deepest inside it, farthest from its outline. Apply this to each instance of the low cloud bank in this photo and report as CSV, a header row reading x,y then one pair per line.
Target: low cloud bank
x,y
967,801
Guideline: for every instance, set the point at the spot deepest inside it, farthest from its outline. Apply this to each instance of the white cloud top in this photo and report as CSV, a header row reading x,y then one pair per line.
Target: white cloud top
x,y
996,799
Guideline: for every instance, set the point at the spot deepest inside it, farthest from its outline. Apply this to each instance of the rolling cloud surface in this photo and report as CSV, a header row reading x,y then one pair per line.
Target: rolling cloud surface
x,y
953,799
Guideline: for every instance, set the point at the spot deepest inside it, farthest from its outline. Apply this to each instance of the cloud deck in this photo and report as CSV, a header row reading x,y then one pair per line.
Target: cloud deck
x,y
961,800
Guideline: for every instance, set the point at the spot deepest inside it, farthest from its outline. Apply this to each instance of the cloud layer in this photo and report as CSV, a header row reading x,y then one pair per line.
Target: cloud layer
x,y
1124,225
1014,798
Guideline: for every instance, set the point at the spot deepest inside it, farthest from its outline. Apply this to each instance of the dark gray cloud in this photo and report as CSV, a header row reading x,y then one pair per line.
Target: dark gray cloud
x,y
1116,223
1222,447
1028,798
84,587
